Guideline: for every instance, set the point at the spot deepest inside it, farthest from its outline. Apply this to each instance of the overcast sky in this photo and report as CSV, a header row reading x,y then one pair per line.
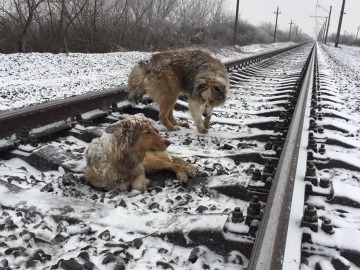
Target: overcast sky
x,y
299,11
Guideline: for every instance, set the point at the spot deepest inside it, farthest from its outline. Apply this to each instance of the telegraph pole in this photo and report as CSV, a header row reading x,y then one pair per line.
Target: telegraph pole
x,y
324,33
296,33
357,32
236,21
340,22
277,14
291,23
328,24
320,35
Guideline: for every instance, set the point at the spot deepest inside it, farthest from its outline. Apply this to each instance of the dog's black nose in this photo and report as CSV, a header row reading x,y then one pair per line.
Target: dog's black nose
x,y
167,143
205,114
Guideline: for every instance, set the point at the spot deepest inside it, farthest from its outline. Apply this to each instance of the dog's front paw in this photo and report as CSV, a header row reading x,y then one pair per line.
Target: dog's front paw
x,y
173,128
182,176
190,170
202,130
207,122
183,124
140,183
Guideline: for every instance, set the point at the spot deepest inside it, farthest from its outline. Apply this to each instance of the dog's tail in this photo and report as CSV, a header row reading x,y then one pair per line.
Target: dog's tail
x,y
136,85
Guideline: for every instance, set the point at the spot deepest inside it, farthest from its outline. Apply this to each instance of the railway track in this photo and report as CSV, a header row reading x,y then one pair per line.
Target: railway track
x,y
273,189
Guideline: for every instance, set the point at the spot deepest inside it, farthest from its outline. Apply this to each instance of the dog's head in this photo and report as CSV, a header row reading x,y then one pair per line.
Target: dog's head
x,y
135,133
211,92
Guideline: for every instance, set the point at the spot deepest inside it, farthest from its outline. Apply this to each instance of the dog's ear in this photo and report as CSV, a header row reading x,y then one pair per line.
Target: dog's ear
x,y
139,116
111,129
117,127
127,131
200,86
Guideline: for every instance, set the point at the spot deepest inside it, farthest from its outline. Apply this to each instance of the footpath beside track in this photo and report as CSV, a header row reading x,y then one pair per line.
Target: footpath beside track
x,y
260,200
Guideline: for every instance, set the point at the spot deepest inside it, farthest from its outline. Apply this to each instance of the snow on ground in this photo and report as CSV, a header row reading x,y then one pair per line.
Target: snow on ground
x,y
126,216
34,78
39,77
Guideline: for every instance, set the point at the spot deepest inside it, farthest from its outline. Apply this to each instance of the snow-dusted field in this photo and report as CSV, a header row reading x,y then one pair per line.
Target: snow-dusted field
x,y
39,77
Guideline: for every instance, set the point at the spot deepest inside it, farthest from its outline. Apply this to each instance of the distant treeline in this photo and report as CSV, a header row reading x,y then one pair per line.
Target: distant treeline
x,y
115,25
346,39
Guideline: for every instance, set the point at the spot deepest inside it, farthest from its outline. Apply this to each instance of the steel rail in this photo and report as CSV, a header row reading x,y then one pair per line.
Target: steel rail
x,y
34,116
269,248
45,113
256,58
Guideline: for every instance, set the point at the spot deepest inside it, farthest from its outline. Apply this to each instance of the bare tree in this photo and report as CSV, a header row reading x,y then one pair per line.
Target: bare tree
x,y
69,11
24,14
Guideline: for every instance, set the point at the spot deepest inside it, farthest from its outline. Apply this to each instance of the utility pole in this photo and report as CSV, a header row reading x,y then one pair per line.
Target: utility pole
x,y
300,35
320,35
277,14
322,28
316,20
291,23
324,33
236,21
340,22
296,33
357,32
328,24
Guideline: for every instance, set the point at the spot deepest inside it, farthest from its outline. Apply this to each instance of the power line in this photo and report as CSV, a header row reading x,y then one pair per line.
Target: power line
x,y
267,4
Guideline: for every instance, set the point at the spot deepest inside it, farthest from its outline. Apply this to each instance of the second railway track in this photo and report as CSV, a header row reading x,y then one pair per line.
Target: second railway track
x,y
260,200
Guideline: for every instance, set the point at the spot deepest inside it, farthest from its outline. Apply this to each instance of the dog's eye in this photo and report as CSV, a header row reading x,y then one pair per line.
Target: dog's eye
x,y
211,102
217,89
202,86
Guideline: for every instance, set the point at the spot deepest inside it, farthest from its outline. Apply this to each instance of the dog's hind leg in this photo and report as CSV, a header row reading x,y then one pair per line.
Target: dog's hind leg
x,y
173,120
166,113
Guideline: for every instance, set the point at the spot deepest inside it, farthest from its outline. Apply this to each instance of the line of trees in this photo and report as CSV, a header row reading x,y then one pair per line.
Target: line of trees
x,y
347,39
112,25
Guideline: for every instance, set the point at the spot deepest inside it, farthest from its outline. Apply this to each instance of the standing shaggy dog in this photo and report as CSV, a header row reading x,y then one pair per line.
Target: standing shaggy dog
x,y
166,75
126,151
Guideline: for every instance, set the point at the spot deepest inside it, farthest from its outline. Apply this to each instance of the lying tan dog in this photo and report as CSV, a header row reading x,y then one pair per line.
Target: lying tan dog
x,y
165,76
127,150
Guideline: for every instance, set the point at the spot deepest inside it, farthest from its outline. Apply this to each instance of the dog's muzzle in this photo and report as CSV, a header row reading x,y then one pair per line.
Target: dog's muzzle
x,y
167,143
205,114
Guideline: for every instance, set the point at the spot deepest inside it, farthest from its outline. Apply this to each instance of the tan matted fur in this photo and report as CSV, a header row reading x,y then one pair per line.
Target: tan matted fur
x,y
165,76
127,150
